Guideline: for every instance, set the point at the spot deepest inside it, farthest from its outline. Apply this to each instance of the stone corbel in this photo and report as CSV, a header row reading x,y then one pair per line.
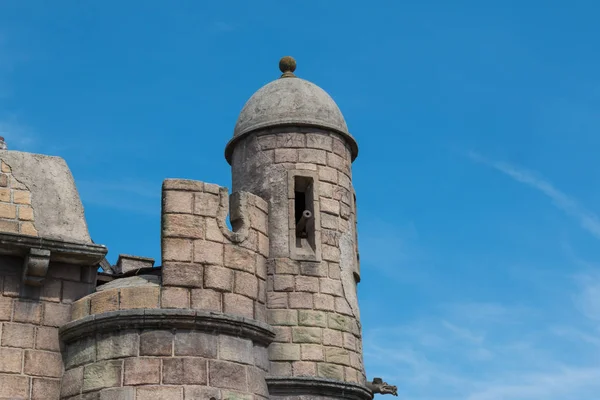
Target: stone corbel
x,y
35,267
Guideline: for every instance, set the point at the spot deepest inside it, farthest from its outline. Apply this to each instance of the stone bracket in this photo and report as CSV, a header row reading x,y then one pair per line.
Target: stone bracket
x,y
35,266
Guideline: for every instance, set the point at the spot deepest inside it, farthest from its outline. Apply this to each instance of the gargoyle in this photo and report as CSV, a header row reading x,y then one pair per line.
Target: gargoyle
x,y
381,387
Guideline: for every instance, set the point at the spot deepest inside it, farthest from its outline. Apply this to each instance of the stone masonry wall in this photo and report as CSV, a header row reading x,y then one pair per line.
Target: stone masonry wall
x,y
30,359
311,304
205,265
16,212
209,274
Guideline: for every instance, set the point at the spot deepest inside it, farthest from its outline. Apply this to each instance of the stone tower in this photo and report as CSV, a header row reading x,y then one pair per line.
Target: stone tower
x,y
291,147
264,310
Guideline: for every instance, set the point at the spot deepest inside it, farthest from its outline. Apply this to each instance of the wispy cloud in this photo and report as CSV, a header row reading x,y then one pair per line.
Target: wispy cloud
x,y
125,195
587,219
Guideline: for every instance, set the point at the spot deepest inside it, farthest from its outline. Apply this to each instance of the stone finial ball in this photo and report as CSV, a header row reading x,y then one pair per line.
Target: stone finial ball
x,y
287,64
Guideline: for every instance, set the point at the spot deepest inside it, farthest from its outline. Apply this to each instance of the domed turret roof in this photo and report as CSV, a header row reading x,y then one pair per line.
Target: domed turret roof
x,y
290,101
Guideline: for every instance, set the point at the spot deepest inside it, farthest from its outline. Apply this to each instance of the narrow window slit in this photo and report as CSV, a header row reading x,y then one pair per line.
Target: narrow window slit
x,y
304,214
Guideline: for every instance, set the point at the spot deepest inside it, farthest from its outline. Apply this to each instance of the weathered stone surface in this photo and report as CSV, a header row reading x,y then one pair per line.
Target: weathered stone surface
x,y
43,363
182,274
235,349
117,344
139,297
238,305
72,382
175,297
141,371
218,278
122,393
177,202
312,352
56,314
312,318
14,387
6,306
303,334
159,393
102,375
81,352
156,343
44,389
184,371
284,352
227,375
193,343
206,299
27,311
208,252
330,371
17,335
10,360
283,317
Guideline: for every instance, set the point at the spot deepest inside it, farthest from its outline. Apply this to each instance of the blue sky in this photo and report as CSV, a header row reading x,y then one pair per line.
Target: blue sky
x,y
477,176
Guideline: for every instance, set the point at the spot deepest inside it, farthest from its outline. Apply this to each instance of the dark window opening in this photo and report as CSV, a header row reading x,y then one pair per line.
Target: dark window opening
x,y
304,213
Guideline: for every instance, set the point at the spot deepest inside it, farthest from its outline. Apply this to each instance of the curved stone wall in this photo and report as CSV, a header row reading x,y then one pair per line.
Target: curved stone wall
x,y
312,303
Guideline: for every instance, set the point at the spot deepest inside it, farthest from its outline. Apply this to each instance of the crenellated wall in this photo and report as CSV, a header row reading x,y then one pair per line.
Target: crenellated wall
x,y
201,334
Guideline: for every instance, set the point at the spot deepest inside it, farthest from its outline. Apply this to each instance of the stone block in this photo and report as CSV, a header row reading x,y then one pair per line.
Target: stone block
x,y
206,252
337,162
329,206
72,382
56,314
301,300
283,317
177,202
156,343
12,285
81,352
139,297
312,352
330,253
102,375
27,311
342,306
283,266
235,349
194,343
334,270
51,290
261,267
159,393
329,221
283,334
183,225
9,226
318,141
43,363
182,274
176,249
238,305
351,375
262,291
332,337
283,283
141,371
46,338
17,335
246,284
330,371
227,375
73,291
292,140
239,258
8,211
284,352
117,344
324,302
304,334
14,387
337,355
349,341
44,389
104,301
206,299
312,156
10,360
218,278
304,368
256,382
21,197
277,368
339,322
263,245
183,184
122,393
356,360
340,148
201,393
64,271
307,284
332,287
313,269
312,318
5,195
184,371
27,228
286,156
6,307
175,297
213,232
261,357
277,300
206,204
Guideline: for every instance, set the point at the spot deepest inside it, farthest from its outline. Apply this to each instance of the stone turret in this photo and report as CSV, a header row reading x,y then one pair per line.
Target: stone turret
x,y
291,147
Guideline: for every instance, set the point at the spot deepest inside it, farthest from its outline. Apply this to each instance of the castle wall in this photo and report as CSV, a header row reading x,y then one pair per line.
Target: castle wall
x,y
31,365
199,335
311,297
